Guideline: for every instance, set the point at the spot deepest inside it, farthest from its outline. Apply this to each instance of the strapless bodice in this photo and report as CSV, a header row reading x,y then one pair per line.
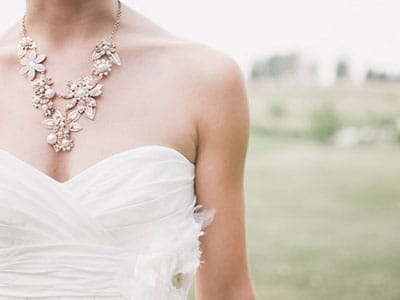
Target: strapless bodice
x,y
127,227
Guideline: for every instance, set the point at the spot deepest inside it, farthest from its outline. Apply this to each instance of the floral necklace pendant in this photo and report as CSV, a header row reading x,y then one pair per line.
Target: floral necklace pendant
x,y
80,94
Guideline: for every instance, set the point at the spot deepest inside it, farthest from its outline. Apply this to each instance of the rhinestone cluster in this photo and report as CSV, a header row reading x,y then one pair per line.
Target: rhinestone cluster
x,y
80,94
43,95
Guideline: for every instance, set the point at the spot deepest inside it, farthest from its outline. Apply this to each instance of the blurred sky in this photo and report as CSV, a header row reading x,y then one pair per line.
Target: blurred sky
x,y
366,32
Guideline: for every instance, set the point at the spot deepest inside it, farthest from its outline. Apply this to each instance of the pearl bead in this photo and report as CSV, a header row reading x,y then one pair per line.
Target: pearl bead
x,y
52,139
65,142
49,93
102,68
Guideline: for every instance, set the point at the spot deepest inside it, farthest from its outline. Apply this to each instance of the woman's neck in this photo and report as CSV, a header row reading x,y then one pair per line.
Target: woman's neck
x,y
64,20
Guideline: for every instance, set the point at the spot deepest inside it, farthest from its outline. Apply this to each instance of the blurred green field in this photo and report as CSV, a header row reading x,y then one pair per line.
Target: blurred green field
x,y
285,108
322,222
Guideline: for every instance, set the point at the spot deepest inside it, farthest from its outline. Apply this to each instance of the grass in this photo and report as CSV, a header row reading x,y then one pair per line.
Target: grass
x,y
323,223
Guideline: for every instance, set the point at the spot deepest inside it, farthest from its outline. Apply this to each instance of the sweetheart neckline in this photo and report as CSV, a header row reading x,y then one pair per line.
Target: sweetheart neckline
x,y
98,163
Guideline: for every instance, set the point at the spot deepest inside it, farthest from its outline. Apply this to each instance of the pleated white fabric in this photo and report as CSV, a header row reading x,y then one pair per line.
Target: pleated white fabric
x,y
121,229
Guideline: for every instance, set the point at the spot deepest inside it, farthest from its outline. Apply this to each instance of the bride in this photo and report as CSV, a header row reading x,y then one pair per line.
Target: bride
x,y
119,144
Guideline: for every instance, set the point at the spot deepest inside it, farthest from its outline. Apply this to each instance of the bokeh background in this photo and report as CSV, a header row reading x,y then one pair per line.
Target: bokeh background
x,y
323,166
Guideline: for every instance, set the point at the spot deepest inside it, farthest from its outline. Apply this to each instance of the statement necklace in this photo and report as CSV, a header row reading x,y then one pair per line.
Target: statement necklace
x,y
80,94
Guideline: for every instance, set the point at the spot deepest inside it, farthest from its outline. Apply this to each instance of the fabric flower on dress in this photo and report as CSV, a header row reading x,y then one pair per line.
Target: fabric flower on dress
x,y
61,126
81,96
32,64
167,269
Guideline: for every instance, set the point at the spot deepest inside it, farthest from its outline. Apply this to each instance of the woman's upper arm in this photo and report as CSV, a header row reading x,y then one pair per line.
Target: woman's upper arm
x,y
223,132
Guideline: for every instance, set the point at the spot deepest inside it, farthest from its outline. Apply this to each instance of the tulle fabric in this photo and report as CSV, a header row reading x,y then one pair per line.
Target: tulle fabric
x,y
122,229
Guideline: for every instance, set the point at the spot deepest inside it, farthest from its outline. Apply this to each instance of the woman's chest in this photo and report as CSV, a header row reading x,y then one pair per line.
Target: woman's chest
x,y
130,111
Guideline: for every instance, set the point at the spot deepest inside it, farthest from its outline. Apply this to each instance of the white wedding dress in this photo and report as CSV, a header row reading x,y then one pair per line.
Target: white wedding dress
x,y
127,227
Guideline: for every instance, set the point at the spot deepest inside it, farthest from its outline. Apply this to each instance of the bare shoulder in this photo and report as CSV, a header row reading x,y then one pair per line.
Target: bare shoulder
x,y
193,64
209,80
212,69
201,65
219,85
215,87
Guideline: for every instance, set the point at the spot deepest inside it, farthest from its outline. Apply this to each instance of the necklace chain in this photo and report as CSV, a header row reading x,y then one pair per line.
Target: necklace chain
x,y
80,95
114,30
117,22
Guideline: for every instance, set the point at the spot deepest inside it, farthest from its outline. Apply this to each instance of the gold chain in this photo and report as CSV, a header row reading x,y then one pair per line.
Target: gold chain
x,y
116,24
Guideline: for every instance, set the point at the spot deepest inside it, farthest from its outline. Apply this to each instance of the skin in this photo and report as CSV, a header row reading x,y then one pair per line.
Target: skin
x,y
169,91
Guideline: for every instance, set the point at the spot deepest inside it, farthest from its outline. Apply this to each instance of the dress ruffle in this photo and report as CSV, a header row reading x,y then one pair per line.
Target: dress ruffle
x,y
175,253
